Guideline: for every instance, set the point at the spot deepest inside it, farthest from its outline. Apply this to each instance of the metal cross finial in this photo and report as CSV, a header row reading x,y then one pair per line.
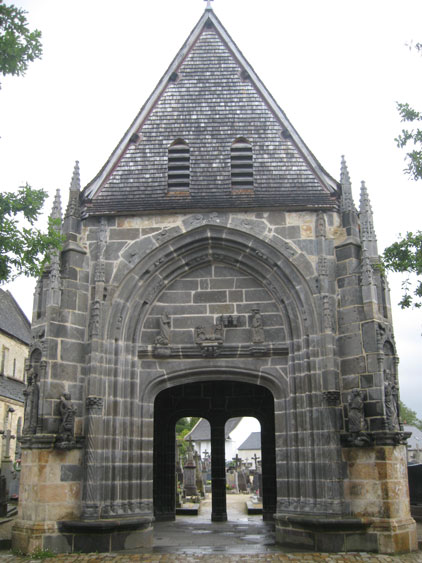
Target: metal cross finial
x,y
208,4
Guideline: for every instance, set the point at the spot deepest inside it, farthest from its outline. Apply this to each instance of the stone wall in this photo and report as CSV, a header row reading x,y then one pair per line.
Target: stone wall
x,y
265,298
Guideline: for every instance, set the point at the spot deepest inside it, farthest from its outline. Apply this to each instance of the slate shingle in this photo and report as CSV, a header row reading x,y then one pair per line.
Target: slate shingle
x,y
209,107
12,319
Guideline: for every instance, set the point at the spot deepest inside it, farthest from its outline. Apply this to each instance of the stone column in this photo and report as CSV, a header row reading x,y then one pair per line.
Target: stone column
x,y
92,484
218,471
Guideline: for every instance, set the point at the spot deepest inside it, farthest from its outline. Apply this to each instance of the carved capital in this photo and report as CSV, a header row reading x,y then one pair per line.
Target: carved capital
x,y
94,404
332,398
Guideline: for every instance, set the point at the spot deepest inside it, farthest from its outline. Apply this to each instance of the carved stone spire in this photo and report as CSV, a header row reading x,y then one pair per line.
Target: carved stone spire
x,y
54,270
347,203
72,218
348,209
367,231
73,208
56,212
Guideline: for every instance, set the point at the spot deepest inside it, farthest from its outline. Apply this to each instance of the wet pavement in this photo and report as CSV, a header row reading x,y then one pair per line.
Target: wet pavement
x,y
240,534
195,538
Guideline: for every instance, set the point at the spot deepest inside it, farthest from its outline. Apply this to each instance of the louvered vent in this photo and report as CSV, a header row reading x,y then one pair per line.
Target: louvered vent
x,y
241,164
179,166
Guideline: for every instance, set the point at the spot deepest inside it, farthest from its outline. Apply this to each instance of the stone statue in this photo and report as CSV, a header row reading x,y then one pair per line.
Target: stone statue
x,y
391,401
257,327
164,337
32,397
66,436
357,422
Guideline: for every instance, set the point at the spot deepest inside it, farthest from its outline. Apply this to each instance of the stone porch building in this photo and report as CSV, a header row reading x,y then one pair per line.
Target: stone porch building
x,y
213,268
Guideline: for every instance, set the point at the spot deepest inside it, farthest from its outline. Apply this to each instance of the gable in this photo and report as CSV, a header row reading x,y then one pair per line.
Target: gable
x,y
210,98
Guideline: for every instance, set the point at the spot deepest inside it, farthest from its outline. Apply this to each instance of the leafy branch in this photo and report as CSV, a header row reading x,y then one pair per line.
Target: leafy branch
x,y
24,248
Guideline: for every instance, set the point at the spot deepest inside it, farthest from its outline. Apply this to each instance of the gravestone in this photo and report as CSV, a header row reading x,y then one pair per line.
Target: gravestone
x,y
232,481
189,476
242,481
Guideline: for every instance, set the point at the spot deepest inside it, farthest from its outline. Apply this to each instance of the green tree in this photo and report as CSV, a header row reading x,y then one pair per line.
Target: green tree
x,y
405,255
183,427
24,249
408,416
18,45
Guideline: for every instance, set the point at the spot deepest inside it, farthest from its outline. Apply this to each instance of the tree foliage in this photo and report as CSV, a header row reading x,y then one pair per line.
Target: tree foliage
x,y
408,416
183,427
24,249
18,45
405,255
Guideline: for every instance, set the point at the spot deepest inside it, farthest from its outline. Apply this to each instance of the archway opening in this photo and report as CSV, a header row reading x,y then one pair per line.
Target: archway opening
x,y
217,401
243,466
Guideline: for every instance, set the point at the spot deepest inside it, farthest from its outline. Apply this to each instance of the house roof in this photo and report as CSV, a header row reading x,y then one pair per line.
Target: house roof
x,y
252,442
13,320
209,96
12,389
202,430
415,440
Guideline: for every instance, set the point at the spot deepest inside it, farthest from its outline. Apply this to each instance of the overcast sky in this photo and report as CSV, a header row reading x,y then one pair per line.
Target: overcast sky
x,y
336,67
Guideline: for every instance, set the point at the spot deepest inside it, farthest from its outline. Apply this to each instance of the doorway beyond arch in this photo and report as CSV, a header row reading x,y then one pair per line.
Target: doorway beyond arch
x,y
217,401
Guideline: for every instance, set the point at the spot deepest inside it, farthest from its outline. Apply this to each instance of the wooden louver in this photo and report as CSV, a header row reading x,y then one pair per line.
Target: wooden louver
x,y
241,164
179,166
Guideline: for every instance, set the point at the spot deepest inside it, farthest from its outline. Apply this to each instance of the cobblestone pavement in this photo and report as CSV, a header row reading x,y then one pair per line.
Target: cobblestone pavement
x,y
233,558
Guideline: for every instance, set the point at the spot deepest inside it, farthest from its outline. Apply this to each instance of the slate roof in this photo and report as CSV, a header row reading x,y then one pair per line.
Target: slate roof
x,y
202,430
12,389
13,320
209,97
415,439
252,442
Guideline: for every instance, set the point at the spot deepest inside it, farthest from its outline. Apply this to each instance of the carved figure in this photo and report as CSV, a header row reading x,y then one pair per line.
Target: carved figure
x,y
320,226
67,413
357,422
257,327
32,397
391,401
213,333
164,337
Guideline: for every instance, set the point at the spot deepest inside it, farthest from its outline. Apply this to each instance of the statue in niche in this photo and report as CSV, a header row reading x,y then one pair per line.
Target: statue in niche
x,y
357,422
320,226
32,397
66,436
164,338
391,401
257,327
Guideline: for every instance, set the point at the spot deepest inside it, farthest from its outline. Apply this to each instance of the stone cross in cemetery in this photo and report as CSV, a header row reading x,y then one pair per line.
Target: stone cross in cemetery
x,y
256,459
213,267
237,461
